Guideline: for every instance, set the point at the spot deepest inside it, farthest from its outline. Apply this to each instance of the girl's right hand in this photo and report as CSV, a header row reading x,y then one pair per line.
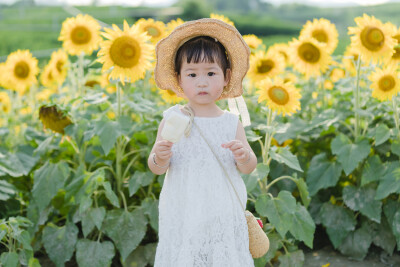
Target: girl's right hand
x,y
163,150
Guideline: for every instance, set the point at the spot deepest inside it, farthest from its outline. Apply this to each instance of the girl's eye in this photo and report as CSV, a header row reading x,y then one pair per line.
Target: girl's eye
x,y
211,73
192,75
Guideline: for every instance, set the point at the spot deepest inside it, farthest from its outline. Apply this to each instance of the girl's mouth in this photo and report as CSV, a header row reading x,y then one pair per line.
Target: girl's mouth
x,y
203,93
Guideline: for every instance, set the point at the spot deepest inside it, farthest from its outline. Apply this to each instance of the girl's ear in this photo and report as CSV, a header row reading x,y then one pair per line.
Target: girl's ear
x,y
227,76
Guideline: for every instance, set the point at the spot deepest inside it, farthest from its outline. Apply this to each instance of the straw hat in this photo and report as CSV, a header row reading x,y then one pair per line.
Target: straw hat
x,y
227,35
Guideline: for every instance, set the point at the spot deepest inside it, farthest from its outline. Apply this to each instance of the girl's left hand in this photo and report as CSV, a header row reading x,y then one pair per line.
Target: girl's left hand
x,y
240,153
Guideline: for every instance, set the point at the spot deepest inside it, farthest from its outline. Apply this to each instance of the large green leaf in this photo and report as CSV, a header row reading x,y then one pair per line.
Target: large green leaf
x,y
143,256
338,220
292,259
283,155
383,236
382,134
251,180
363,199
126,229
9,259
59,242
349,154
47,181
138,180
303,226
7,190
395,147
356,243
278,210
98,215
322,173
111,195
108,132
390,182
392,213
373,170
150,208
18,164
94,254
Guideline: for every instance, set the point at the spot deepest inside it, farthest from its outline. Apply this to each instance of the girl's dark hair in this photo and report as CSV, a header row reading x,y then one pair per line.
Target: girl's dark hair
x,y
202,49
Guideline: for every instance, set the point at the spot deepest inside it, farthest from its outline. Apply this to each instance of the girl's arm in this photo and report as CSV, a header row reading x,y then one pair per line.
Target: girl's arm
x,y
245,158
163,155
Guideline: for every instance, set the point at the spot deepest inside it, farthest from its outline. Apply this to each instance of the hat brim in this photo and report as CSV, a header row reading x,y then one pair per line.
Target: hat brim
x,y
237,49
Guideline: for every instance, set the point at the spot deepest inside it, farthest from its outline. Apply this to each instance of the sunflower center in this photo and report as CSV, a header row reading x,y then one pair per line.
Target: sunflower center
x,y
81,35
171,93
59,65
396,54
320,36
152,31
372,38
309,52
21,70
125,52
387,83
266,65
279,95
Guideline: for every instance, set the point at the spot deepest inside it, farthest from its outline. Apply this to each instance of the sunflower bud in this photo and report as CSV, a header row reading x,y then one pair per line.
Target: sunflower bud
x,y
53,118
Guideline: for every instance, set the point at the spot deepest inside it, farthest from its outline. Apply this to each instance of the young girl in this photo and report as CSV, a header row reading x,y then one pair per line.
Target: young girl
x,y
201,222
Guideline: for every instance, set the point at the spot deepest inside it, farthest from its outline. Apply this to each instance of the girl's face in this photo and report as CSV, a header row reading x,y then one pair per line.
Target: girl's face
x,y
202,82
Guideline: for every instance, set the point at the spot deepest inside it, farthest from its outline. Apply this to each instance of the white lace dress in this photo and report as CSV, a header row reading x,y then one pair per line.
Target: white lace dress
x,y
201,222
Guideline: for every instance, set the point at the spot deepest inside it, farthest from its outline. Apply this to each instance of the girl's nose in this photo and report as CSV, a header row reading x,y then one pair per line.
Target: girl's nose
x,y
202,82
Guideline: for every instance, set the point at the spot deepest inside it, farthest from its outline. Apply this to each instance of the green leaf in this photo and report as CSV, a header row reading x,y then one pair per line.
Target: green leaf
x,y
383,237
349,154
94,254
47,181
303,226
363,199
150,208
111,195
33,262
338,220
59,242
283,155
382,134
94,99
87,223
108,132
126,229
373,169
392,213
356,244
251,180
292,259
395,147
278,210
85,203
7,190
322,173
18,164
302,186
389,182
143,256
9,259
98,215
139,179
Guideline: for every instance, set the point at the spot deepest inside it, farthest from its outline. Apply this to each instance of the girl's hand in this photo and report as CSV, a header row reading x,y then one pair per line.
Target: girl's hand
x,y
240,153
163,150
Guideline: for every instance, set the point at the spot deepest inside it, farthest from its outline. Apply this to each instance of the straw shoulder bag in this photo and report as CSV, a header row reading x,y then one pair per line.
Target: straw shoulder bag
x,y
258,240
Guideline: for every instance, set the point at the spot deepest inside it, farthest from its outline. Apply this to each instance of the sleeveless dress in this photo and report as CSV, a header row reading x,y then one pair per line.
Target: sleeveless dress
x,y
201,222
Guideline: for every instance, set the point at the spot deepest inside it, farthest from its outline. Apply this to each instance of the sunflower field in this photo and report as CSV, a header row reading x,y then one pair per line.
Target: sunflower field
x,y
75,137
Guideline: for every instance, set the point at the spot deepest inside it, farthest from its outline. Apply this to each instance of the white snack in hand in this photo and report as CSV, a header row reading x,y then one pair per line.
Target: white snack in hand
x,y
174,127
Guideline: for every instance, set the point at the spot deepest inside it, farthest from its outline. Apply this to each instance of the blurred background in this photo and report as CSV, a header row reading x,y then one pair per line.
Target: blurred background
x,y
36,24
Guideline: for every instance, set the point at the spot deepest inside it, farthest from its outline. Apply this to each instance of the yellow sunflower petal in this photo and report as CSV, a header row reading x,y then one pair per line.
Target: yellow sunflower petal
x,y
264,65
173,24
155,29
80,34
252,41
385,83
5,103
59,63
221,17
169,96
281,97
128,53
323,31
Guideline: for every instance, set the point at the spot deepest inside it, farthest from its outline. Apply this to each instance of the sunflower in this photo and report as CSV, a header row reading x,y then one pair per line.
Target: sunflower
x,y
155,29
328,84
350,58
280,96
308,57
47,78
80,34
385,83
169,96
372,38
5,103
21,70
282,49
337,74
265,64
396,55
323,31
127,51
59,61
222,17
53,118
252,41
274,142
173,24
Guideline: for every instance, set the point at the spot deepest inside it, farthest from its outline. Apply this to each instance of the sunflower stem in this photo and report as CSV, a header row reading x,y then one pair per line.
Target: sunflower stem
x,y
396,116
118,152
357,99
80,73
